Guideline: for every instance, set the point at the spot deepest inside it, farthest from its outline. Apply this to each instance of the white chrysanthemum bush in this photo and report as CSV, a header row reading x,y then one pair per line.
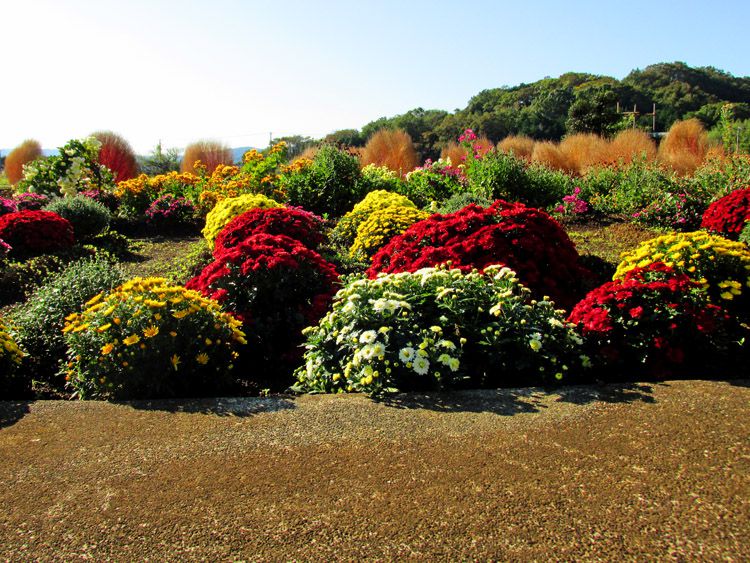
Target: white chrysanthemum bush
x,y
438,328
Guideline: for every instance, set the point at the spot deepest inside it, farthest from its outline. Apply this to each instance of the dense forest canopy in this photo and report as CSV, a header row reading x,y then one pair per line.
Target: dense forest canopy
x,y
573,103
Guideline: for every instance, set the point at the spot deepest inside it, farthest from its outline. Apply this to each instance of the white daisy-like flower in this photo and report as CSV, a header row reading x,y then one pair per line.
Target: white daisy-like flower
x,y
406,354
421,365
368,337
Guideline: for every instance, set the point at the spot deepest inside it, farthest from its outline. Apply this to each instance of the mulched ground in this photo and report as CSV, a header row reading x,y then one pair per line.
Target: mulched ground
x,y
633,472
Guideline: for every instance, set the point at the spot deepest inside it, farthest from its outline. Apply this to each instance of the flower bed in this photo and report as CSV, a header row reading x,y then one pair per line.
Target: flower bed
x,y
31,233
522,238
438,328
727,216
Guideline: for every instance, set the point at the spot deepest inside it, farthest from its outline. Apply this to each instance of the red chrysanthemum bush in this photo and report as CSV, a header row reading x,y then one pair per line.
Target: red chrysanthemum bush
x,y
655,320
117,155
30,233
293,222
728,215
525,239
276,286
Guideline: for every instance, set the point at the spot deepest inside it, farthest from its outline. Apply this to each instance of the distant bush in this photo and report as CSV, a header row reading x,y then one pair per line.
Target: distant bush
x,y
209,153
24,153
39,321
116,154
455,153
685,146
148,339
329,184
520,146
228,209
88,217
30,233
381,178
583,150
434,182
392,148
459,201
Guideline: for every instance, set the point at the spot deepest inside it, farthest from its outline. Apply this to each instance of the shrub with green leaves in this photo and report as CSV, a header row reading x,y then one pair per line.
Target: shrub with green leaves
x,y
434,182
745,234
330,184
88,217
459,201
381,178
11,357
38,323
438,328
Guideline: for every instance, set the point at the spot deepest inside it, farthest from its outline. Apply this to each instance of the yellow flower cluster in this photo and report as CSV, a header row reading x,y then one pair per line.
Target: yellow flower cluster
x,y
228,209
383,224
721,265
10,354
346,229
138,193
141,325
296,166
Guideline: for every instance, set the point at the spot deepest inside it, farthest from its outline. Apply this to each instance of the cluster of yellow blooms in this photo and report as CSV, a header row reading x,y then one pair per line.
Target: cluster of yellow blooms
x,y
147,325
346,230
382,225
228,209
721,265
296,166
138,193
10,354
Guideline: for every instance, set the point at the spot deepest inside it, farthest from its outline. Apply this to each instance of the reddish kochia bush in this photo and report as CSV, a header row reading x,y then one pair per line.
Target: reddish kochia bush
x,y
276,286
31,233
728,215
294,222
655,320
117,155
525,239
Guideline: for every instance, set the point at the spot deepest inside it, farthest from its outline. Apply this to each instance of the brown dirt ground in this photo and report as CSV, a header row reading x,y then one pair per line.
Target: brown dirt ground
x,y
628,472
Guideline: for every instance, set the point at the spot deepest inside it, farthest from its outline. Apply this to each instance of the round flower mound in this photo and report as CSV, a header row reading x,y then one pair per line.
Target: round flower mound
x,y
150,339
346,229
276,286
170,213
293,222
227,209
727,216
657,320
382,225
522,238
720,265
10,358
32,233
438,328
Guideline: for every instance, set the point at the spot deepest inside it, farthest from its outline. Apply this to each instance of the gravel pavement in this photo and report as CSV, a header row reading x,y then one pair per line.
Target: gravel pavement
x,y
650,471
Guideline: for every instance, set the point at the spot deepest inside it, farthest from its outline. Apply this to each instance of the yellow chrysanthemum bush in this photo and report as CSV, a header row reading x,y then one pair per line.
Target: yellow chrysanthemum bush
x,y
150,339
722,266
10,360
137,194
438,328
382,225
227,209
346,229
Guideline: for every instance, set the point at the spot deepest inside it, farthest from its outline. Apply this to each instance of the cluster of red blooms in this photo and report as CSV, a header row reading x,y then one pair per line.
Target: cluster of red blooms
x,y
276,286
522,238
294,222
728,215
654,319
30,233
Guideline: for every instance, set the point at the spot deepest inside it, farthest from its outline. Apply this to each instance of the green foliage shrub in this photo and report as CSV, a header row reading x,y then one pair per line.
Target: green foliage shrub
x,y
459,201
11,358
331,184
38,323
381,178
745,234
88,217
434,182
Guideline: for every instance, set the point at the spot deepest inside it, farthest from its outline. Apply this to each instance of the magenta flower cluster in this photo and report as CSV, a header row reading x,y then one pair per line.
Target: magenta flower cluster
x,y
573,204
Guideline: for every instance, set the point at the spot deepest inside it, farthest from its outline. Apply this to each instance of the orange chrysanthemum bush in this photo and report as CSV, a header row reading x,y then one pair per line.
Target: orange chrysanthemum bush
x,y
729,215
150,339
276,286
522,238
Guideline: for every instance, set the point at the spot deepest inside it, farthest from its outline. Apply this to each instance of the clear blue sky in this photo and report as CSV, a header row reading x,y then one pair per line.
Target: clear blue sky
x,y
237,70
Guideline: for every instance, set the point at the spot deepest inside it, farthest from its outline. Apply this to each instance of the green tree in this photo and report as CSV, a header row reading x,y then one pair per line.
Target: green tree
x,y
593,111
160,161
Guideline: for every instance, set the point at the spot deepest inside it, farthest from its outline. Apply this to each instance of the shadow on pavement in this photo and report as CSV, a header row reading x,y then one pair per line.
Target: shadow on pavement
x,y
233,406
12,411
507,402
